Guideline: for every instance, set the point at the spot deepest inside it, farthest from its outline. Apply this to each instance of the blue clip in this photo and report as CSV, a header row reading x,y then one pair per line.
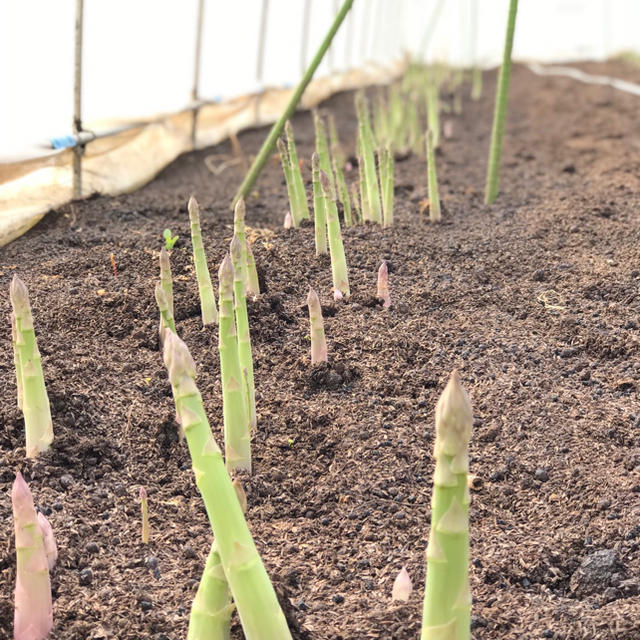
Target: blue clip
x,y
64,142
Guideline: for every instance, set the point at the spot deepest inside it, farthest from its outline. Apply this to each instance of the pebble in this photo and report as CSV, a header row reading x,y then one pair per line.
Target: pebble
x,y
66,481
338,599
302,606
92,547
542,475
86,576
57,506
151,562
604,504
146,605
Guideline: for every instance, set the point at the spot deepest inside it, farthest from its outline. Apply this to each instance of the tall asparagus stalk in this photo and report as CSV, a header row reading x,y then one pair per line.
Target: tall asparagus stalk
x,y
253,593
242,322
166,313
16,358
319,208
289,180
211,608
239,215
367,149
207,297
237,439
318,340
433,110
336,248
337,163
434,198
33,397
447,600
322,149
502,93
386,169
296,175
33,618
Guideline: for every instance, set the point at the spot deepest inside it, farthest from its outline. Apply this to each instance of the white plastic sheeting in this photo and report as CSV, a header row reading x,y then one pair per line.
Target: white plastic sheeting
x,y
139,54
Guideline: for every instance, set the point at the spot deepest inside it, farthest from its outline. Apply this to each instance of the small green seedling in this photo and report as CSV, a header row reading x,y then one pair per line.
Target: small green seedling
x,y
169,240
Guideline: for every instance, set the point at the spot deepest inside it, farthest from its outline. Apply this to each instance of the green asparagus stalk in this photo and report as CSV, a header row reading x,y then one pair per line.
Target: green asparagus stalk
x,y
35,401
322,148
338,161
433,111
239,215
276,130
367,146
336,248
362,183
211,608
318,340
289,180
166,315
355,197
386,169
296,176
16,358
447,599
207,298
244,336
166,279
502,93
434,198
237,439
253,283
258,608
319,208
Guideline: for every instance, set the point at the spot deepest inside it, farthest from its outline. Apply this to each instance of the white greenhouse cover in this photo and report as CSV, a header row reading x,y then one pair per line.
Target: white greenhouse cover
x,y
138,60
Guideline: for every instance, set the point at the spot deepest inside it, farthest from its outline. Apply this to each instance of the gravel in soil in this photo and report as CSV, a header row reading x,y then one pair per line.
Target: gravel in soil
x,y
535,300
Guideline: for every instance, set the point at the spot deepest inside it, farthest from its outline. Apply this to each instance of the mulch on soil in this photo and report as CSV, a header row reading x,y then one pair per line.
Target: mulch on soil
x,y
535,300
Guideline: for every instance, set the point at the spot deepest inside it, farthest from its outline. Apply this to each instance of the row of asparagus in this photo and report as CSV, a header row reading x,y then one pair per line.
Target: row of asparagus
x,y
234,575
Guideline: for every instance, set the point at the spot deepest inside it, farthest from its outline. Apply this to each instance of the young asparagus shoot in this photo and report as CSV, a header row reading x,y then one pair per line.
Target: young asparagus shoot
x,y
32,393
447,600
383,285
260,614
386,168
318,341
355,197
288,220
239,215
336,247
166,314
432,178
237,438
207,297
242,323
433,110
144,508
33,617
166,283
16,357
402,587
319,208
502,93
253,283
211,609
288,178
322,149
296,176
338,162
374,211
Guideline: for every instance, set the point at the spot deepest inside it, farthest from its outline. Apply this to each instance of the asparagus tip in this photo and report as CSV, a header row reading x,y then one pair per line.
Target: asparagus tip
x,y
225,273
194,209
235,249
240,210
402,586
288,220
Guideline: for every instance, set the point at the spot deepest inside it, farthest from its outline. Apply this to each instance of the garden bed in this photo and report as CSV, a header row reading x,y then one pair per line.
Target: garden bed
x,y
536,300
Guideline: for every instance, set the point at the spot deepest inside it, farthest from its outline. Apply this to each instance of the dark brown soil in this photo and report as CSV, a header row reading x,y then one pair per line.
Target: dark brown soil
x,y
535,300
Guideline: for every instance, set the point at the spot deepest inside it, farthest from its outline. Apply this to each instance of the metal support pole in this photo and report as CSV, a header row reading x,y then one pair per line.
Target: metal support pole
x,y
77,100
195,90
262,40
305,35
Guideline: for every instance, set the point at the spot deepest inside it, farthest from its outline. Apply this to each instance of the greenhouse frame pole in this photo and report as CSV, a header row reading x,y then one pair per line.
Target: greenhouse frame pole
x,y
195,90
262,39
78,149
276,130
